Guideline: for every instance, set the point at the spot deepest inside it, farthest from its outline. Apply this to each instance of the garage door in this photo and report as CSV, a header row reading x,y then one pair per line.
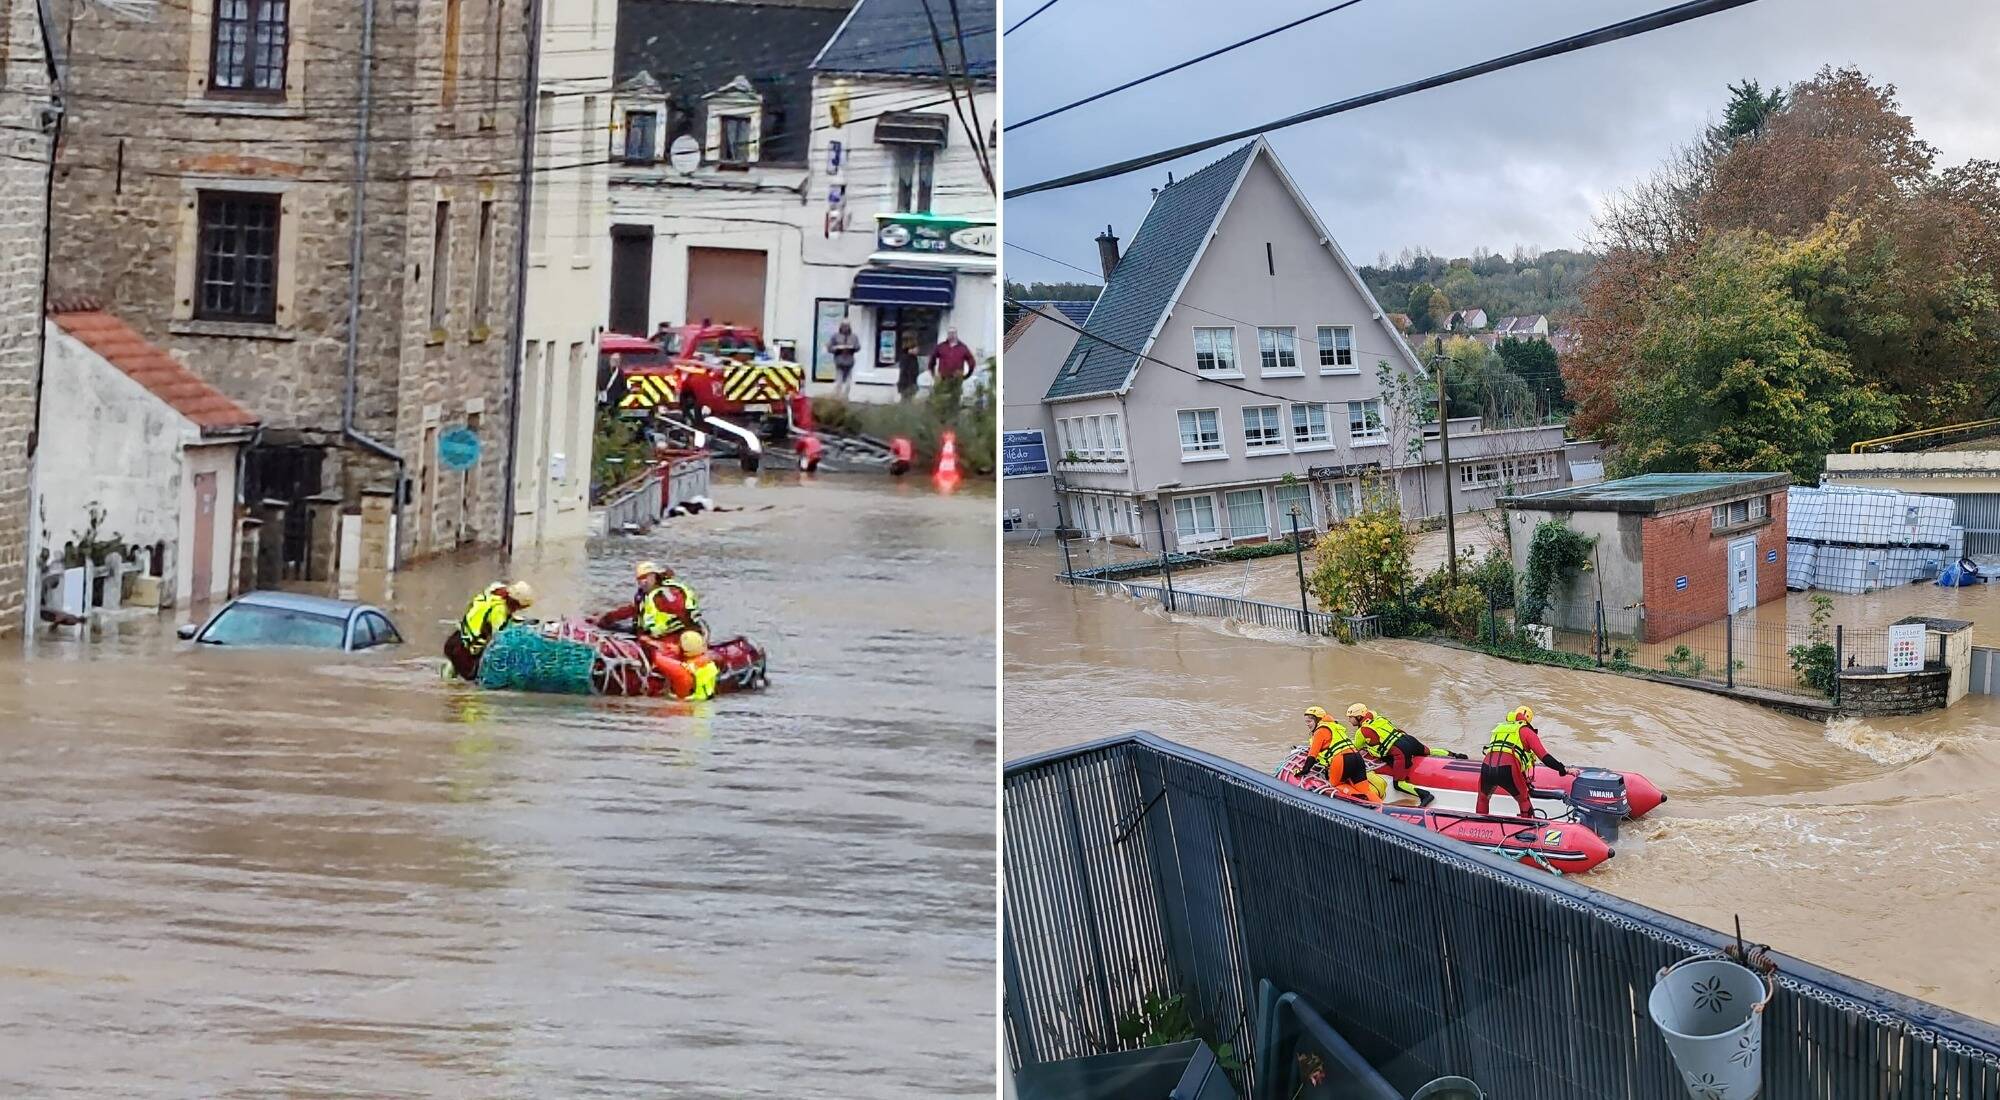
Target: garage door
x,y
726,286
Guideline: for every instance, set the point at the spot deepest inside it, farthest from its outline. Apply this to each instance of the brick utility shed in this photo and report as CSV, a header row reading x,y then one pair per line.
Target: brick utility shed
x,y
1674,551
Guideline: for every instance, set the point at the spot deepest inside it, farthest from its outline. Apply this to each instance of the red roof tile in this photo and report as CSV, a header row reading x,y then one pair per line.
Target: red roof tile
x,y
150,366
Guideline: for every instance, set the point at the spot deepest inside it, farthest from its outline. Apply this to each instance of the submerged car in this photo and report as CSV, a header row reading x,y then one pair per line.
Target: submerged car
x,y
291,620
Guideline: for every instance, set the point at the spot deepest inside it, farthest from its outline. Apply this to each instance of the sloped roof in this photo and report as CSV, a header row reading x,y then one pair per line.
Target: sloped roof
x,y
149,365
694,47
1143,284
894,37
1040,309
1077,312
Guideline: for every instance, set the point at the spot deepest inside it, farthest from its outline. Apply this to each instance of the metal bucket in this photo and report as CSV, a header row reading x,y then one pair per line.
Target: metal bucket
x,y
1449,1088
1711,1012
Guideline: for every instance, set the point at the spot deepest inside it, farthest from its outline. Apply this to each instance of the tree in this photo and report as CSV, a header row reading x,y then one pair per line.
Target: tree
x,y
1534,363
1734,374
1419,308
1749,108
1908,293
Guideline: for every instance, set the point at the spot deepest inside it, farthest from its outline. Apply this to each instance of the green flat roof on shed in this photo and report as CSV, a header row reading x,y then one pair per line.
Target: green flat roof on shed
x,y
1650,492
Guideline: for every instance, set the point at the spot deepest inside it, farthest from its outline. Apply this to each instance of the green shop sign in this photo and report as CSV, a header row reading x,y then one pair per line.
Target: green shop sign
x,y
931,235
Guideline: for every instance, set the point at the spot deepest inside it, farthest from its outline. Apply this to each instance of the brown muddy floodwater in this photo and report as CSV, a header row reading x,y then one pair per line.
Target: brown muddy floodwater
x,y
236,874
1870,847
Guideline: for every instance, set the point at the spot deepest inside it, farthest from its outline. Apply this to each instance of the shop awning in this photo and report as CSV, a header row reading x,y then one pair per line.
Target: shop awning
x,y
903,288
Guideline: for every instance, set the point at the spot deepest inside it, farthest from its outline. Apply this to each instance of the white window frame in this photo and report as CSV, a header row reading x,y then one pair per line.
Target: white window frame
x,y
1256,444
1263,509
1093,437
1274,366
1328,340
1324,440
1308,519
1379,436
1200,453
1114,436
1193,533
1217,352
1479,475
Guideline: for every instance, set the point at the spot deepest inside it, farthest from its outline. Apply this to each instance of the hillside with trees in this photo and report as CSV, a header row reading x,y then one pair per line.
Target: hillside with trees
x,y
1801,276
1429,287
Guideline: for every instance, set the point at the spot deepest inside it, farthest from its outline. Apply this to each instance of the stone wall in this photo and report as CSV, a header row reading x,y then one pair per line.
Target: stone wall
x,y
147,136
24,151
1870,692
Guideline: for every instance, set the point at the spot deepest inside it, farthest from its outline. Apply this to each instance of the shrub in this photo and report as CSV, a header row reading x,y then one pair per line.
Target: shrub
x,y
1816,661
1556,555
1361,563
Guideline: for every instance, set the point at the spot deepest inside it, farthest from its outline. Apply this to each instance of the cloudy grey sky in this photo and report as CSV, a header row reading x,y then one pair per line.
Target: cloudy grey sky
x,y
1523,156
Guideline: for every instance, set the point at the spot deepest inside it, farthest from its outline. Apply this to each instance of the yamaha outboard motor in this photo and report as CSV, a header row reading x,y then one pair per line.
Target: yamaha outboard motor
x,y
1597,796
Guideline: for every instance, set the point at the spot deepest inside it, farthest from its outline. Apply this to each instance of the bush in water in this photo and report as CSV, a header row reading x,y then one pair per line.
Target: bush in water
x,y
1361,563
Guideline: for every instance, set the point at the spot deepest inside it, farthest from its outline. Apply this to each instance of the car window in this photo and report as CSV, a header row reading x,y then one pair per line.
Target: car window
x,y
671,343
257,625
379,630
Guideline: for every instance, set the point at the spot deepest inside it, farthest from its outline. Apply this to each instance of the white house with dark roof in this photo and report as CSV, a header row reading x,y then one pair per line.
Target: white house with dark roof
x,y
1230,374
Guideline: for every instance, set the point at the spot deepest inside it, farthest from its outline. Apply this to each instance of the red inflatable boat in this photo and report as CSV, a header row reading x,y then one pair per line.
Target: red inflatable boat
x,y
1444,773
1566,846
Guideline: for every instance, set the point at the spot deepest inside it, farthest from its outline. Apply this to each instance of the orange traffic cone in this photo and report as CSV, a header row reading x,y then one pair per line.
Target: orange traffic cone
x,y
947,467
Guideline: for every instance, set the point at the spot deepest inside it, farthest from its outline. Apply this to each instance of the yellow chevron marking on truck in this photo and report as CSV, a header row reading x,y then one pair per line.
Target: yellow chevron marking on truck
x,y
761,381
646,391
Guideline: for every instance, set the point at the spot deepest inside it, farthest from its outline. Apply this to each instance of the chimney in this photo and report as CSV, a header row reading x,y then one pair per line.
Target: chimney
x,y
1107,252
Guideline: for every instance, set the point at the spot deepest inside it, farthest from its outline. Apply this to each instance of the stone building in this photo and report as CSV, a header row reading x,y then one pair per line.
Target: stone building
x,y
224,166
28,112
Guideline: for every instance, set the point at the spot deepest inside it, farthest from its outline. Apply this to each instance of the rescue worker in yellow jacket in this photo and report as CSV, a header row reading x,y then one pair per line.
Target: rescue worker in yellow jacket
x,y
694,651
1332,747
1397,750
492,609
1511,757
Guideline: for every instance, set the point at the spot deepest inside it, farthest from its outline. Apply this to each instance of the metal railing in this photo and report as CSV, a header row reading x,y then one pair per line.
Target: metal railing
x,y
638,504
1184,602
1136,867
1926,438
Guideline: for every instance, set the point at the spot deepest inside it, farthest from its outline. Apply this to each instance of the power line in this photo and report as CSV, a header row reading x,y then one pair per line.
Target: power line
x,y
1026,19
1179,66
1666,17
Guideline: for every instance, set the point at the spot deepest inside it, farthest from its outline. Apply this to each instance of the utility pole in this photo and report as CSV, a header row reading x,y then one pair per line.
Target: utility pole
x,y
1299,558
1166,566
1444,453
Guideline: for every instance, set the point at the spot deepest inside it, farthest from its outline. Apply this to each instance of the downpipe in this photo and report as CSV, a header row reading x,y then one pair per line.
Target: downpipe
x,y
530,124
348,431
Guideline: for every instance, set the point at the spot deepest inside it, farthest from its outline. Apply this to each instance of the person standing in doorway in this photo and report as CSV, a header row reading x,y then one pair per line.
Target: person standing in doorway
x,y
951,364
908,369
843,345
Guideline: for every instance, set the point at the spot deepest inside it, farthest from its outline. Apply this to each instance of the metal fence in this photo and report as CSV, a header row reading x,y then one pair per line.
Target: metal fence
x,y
1184,602
1136,867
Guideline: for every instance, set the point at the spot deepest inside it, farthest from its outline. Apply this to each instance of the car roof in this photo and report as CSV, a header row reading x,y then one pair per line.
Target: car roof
x,y
298,601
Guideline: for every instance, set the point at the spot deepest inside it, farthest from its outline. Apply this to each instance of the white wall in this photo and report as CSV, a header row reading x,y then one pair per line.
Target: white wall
x,y
126,458
869,175
568,274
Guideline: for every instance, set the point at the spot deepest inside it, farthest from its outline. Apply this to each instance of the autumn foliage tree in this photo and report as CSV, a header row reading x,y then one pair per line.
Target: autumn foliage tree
x,y
1875,272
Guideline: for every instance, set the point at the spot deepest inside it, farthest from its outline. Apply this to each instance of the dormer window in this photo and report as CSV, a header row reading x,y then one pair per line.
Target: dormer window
x,y
735,122
913,138
642,137
736,146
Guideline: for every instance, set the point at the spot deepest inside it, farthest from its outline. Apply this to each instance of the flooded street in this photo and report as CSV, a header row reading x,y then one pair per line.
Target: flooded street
x,y
1834,841
238,874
